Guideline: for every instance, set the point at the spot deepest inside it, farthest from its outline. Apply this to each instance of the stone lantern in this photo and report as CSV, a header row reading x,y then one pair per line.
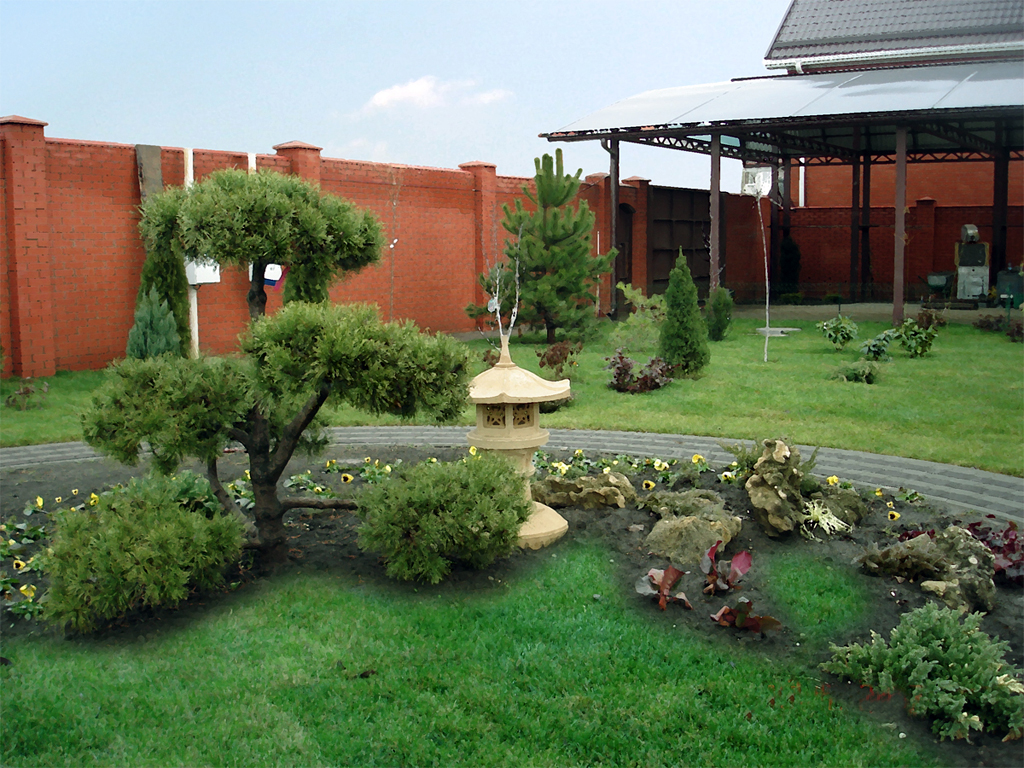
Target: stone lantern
x,y
507,400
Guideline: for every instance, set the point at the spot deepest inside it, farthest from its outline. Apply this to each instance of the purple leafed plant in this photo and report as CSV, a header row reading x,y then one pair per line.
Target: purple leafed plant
x,y
725,575
741,617
1007,547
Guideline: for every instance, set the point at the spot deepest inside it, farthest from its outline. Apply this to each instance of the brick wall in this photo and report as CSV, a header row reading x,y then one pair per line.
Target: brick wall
x,y
72,255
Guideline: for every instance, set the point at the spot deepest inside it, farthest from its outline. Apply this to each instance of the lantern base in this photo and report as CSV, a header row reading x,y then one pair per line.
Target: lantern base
x,y
544,527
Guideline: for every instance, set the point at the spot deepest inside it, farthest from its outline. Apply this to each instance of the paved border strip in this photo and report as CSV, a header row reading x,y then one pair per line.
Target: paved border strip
x,y
960,488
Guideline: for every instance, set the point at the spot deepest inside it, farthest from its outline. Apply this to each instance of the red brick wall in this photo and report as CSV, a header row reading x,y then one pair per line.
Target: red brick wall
x,y
72,255
948,183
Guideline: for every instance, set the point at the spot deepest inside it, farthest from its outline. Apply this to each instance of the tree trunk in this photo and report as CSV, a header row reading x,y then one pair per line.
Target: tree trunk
x,y
257,296
551,332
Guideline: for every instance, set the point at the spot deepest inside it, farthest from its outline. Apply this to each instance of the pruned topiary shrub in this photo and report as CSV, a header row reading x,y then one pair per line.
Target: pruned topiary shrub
x,y
439,512
950,671
684,337
718,313
147,544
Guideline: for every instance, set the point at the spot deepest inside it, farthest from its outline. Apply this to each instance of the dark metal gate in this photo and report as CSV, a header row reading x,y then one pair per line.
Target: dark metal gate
x,y
678,218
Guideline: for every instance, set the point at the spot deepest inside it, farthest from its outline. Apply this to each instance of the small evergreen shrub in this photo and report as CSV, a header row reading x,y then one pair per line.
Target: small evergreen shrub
x,y
718,313
684,337
915,339
654,375
147,544
641,330
865,371
439,512
155,331
790,299
952,672
839,331
878,347
1016,331
789,268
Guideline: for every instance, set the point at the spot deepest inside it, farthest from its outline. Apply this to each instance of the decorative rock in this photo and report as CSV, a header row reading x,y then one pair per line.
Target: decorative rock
x,y
684,540
774,489
681,504
605,490
844,503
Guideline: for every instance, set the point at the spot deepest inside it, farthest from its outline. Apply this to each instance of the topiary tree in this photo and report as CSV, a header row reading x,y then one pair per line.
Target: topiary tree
x,y
237,218
718,313
164,268
155,331
294,362
789,265
550,252
684,338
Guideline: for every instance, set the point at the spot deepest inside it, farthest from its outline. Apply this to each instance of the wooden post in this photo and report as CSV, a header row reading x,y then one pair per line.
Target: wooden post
x,y
716,183
901,228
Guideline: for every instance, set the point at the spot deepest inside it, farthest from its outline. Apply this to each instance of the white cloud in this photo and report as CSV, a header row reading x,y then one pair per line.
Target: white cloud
x,y
360,149
428,91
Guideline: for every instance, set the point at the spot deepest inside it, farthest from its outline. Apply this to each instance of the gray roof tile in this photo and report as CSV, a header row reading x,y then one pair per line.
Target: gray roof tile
x,y
829,27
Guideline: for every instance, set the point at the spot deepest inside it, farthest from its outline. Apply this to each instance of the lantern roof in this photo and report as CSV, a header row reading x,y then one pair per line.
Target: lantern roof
x,y
506,382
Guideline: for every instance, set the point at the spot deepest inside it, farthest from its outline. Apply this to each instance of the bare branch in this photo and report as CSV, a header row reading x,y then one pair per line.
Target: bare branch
x,y
293,432
229,505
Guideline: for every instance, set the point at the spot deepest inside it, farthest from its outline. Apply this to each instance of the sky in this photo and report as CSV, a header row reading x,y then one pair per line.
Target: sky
x,y
418,82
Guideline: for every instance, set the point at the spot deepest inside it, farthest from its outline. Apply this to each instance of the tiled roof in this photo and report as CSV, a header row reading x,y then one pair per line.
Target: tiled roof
x,y
818,28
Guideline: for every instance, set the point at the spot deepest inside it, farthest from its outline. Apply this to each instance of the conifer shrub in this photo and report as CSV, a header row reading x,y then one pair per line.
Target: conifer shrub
x,y
684,337
948,670
641,329
145,545
155,331
718,313
164,268
437,513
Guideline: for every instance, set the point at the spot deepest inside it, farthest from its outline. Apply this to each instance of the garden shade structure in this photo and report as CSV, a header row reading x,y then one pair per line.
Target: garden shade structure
x,y
941,113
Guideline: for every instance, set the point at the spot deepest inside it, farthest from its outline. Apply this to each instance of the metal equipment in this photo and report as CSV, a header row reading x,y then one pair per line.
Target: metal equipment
x,y
972,264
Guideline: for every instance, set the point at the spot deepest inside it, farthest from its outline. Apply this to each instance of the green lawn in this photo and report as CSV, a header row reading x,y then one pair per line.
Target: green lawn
x,y
535,672
962,404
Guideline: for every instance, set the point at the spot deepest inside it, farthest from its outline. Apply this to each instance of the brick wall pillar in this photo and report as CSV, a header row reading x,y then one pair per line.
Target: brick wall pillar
x,y
639,203
486,221
27,241
304,159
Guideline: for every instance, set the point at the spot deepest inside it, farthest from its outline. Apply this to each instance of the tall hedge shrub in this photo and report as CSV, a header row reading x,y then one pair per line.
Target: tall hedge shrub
x,y
164,268
684,337
155,331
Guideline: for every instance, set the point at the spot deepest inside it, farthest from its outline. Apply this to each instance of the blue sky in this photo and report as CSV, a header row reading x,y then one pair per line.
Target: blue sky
x,y
418,82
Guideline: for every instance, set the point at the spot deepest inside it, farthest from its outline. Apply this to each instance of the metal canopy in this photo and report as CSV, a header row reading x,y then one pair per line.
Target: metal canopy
x,y
951,112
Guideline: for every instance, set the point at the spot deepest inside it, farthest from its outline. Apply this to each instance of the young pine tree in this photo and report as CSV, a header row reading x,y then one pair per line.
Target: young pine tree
x,y
718,313
164,268
550,246
155,331
684,337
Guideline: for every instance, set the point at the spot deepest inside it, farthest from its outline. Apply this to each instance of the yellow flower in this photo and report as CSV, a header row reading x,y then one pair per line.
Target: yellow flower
x,y
607,470
93,499
247,475
318,489
366,460
878,492
12,543
28,590
697,458
578,453
346,478
734,464
472,450
58,499
890,505
832,480
615,463
18,565
648,485
330,463
387,468
893,515
74,491
432,460
39,502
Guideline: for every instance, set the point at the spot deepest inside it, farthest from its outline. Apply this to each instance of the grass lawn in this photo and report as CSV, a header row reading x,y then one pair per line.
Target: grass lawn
x,y
535,672
962,404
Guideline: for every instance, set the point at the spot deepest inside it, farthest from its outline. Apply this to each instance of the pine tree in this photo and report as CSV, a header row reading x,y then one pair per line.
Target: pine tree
x,y
551,245
155,331
164,268
684,337
718,313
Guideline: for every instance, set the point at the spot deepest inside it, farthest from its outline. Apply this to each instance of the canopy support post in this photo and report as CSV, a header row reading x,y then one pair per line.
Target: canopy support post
x,y
901,225
716,212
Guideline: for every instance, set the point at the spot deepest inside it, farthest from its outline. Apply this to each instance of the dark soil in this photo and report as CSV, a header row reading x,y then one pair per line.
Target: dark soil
x,y
327,541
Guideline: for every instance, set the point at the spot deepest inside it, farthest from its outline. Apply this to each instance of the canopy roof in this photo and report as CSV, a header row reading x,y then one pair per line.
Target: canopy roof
x,y
952,112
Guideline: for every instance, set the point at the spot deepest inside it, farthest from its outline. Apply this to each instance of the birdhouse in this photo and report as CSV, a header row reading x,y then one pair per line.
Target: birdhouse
x,y
507,401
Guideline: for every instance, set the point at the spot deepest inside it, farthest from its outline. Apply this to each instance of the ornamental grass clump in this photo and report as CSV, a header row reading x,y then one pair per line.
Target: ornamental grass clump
x,y
437,513
948,670
147,544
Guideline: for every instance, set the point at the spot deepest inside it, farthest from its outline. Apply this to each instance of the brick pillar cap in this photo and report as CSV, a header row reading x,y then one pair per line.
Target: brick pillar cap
x,y
19,120
926,201
477,164
594,178
296,145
